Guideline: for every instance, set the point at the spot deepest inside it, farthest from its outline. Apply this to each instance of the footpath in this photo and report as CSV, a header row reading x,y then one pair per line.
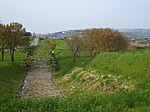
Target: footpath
x,y
38,82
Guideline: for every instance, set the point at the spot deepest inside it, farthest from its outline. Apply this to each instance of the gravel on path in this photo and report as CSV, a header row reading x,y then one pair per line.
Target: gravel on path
x,y
39,84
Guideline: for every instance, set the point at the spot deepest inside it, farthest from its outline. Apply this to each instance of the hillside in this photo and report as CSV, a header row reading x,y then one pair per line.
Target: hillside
x,y
110,72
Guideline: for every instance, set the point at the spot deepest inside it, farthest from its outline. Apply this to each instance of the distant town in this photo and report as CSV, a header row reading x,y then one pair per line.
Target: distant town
x,y
135,35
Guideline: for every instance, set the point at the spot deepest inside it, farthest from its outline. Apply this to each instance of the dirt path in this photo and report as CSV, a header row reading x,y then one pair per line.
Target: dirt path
x,y
35,42
39,84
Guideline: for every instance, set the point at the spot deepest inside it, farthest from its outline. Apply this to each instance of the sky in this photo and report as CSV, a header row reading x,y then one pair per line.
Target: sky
x,y
48,16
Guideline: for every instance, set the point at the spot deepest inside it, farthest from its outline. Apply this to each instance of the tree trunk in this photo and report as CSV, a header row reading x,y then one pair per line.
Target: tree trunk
x,y
74,55
74,58
3,53
12,55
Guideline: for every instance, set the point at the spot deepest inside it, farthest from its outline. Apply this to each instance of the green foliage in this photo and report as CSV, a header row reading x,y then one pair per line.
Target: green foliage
x,y
12,36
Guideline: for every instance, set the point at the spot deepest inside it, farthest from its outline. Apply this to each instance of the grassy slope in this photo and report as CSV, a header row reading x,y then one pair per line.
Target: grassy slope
x,y
11,75
109,72
133,65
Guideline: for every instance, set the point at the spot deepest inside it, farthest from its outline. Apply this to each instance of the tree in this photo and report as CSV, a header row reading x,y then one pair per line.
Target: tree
x,y
3,44
27,34
75,44
90,40
104,40
52,45
15,37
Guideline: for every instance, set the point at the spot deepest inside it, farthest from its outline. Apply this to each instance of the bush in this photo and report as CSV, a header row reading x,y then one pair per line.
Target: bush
x,y
101,40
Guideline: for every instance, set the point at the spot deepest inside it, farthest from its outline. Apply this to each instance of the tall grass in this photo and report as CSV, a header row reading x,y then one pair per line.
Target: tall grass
x,y
119,102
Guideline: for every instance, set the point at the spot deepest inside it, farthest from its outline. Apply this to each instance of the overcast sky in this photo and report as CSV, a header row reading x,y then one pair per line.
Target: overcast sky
x,y
47,16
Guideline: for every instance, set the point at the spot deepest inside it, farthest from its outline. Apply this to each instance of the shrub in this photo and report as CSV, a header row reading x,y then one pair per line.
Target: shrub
x,y
101,40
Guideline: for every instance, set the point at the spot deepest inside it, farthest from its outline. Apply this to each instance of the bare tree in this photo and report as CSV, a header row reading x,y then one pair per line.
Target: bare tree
x,y
75,44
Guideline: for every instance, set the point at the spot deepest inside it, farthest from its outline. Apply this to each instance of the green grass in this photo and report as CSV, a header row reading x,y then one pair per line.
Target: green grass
x,y
132,66
65,59
62,55
135,101
11,75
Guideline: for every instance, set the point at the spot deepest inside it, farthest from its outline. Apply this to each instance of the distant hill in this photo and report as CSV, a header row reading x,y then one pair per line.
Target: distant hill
x,y
61,34
136,33
131,33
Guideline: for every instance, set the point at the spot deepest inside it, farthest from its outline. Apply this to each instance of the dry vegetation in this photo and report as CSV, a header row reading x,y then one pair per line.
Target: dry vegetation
x,y
142,46
80,81
104,40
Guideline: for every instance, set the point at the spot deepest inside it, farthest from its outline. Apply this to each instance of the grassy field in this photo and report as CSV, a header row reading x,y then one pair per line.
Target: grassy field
x,y
11,75
108,82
